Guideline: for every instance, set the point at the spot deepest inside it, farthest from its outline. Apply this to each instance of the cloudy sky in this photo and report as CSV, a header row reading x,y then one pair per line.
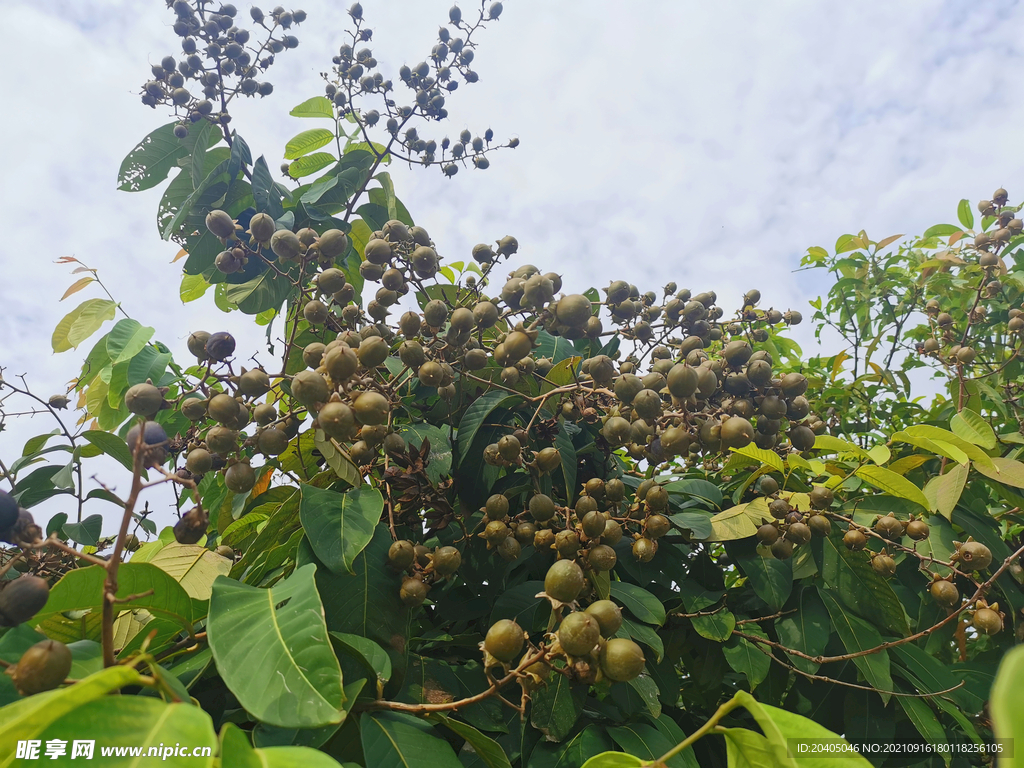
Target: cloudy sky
x,y
706,143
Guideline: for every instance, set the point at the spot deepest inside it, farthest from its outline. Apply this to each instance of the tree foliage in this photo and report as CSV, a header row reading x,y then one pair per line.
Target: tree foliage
x,y
469,517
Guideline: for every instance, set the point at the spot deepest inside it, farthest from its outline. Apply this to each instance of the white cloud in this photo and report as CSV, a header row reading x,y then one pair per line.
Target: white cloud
x,y
709,144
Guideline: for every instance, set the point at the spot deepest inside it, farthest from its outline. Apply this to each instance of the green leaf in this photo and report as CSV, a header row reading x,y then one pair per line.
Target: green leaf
x,y
318,106
779,726
892,483
112,445
29,717
340,525
336,459
807,630
310,164
944,491
151,160
837,445
395,740
82,590
142,722
927,724
486,748
748,749
369,653
642,633
567,459
87,532
1007,714
970,426
192,287
236,752
613,760
476,414
281,633
557,706
941,230
367,602
1006,471
126,339
768,458
267,290
862,590
646,742
745,657
973,452
195,568
732,524
965,213
81,323
771,579
638,601
306,142
717,626
702,489
858,635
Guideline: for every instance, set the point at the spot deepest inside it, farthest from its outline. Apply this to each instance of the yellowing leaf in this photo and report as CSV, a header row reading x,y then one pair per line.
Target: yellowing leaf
x,y
879,454
905,464
944,491
81,323
77,286
893,484
732,524
1005,471
770,458
970,426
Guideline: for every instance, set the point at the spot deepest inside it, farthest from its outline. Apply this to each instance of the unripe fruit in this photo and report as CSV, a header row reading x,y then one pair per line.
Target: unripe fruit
x,y
315,312
42,667
273,442
341,362
593,522
21,599
987,621
974,556
602,557
616,431
401,554
855,540
579,633
821,497
309,388
143,399
199,461
564,581
918,530
608,616
446,560
495,532
656,526
223,408
802,438
371,408
782,549
819,525
548,459
496,507
737,432
240,478
622,660
197,344
331,244
373,351
944,593
509,548
542,508
768,534
254,383
220,223
413,591
644,550
286,244
262,228
504,640
573,310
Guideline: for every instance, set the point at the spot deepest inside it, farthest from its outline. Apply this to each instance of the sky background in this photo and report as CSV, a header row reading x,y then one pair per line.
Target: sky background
x,y
709,144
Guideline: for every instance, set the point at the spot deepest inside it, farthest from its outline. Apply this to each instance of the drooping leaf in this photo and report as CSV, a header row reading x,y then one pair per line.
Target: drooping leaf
x,y
280,632
340,525
638,601
475,416
892,483
970,426
112,445
557,706
858,635
81,323
126,339
396,740
807,630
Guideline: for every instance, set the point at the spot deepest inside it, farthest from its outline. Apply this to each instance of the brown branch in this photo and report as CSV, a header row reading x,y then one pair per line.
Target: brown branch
x,y
422,709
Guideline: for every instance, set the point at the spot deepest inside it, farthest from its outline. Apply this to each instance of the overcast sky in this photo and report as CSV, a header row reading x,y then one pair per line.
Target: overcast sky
x,y
706,143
